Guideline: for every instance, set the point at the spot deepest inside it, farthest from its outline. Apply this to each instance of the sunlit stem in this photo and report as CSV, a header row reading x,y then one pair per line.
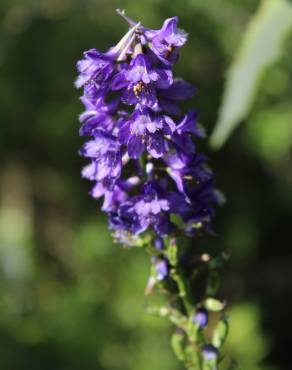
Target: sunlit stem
x,y
127,19
182,290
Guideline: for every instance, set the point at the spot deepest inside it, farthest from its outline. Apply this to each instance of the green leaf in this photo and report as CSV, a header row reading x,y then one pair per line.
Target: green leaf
x,y
214,305
172,251
220,333
177,343
212,283
261,46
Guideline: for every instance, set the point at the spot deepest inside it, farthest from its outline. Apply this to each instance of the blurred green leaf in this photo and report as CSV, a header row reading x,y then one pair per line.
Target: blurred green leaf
x,y
262,44
244,337
177,340
269,134
220,333
213,305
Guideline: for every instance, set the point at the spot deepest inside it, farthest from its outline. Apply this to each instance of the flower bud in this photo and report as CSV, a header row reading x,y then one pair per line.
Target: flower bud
x,y
209,352
201,318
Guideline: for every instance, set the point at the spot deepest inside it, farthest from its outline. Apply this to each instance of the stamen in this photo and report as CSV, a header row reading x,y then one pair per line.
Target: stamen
x,y
169,50
138,88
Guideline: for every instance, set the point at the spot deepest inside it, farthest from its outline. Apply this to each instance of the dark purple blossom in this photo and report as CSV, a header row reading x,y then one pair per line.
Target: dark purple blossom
x,y
169,98
105,155
141,212
164,42
113,195
95,66
144,130
97,116
140,80
187,170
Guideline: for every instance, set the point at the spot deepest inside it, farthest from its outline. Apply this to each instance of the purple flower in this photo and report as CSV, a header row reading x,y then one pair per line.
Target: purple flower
x,y
176,92
141,212
95,66
179,90
165,41
104,152
113,195
140,81
186,130
146,131
97,116
187,170
189,125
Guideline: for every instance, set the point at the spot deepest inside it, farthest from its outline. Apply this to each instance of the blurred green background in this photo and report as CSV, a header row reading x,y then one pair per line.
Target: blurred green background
x,y
69,298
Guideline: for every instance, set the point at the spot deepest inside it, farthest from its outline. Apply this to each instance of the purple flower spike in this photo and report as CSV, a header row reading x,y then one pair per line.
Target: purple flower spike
x,y
130,97
153,184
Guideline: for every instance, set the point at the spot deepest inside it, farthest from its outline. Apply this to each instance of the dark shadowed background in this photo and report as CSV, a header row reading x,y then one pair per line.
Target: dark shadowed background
x,y
70,299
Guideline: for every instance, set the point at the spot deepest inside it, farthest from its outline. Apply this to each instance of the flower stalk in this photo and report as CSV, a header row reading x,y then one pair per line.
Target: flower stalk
x,y
157,189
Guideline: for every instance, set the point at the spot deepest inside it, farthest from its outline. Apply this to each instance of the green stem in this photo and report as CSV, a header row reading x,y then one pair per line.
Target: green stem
x,y
188,339
182,292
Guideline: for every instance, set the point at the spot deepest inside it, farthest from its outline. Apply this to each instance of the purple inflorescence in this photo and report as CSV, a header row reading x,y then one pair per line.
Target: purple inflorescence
x,y
143,160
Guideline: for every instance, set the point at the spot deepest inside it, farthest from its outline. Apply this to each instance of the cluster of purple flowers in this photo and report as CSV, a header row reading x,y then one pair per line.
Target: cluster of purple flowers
x,y
143,160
